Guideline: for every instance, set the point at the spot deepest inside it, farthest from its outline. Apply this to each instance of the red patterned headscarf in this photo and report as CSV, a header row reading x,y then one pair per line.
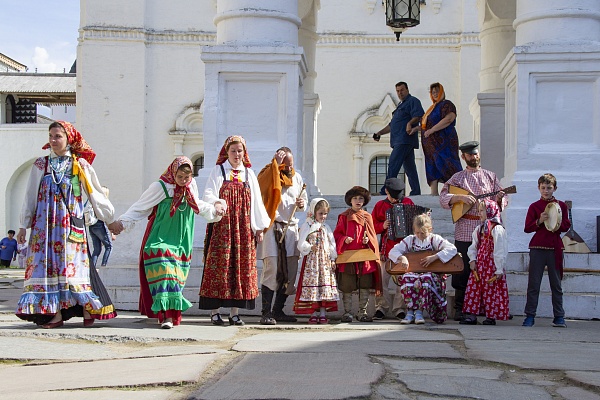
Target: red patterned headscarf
x,y
180,191
79,146
493,215
223,156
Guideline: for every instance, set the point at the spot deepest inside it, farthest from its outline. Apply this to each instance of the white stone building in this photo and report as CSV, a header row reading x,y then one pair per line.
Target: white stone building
x,y
158,79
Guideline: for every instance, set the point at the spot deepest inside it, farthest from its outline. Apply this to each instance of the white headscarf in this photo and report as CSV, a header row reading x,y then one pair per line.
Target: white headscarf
x,y
310,215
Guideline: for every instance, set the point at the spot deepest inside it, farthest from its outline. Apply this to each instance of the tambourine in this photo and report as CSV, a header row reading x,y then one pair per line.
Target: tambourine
x,y
554,217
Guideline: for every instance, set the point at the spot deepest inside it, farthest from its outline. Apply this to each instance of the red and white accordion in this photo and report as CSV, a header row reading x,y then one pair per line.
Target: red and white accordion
x,y
401,218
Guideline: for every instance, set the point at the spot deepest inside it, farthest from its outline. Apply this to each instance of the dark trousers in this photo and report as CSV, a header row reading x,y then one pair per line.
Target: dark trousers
x,y
100,236
460,281
538,259
404,154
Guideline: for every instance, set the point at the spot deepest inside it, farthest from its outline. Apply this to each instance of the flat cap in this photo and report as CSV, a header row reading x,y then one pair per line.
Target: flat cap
x,y
394,184
471,147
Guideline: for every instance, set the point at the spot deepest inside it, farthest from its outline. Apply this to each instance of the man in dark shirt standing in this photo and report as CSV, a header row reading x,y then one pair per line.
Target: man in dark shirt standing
x,y
404,138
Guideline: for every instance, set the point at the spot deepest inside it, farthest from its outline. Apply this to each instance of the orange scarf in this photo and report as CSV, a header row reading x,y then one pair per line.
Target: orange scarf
x,y
364,218
272,180
441,96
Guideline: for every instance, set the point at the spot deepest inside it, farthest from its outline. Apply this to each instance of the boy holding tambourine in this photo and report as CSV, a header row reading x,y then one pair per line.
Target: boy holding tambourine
x,y
546,249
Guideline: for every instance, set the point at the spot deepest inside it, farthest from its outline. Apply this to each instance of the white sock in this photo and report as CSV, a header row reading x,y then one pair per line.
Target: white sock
x,y
234,311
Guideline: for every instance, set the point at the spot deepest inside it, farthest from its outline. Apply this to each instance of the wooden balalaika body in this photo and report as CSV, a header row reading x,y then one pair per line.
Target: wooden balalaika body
x,y
459,208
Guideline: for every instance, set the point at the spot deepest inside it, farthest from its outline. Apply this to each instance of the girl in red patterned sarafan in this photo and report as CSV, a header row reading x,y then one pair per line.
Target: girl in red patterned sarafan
x,y
487,292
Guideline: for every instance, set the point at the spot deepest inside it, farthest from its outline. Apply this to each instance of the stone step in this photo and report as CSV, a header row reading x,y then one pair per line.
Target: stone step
x,y
572,282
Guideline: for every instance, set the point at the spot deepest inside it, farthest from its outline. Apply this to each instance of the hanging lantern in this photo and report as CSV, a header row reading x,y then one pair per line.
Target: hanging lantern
x,y
402,14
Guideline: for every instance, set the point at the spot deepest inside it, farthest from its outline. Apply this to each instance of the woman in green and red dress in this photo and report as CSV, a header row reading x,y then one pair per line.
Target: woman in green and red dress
x,y
170,204
230,277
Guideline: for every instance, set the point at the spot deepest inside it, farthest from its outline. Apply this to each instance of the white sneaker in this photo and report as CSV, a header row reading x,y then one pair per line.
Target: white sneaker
x,y
419,320
166,325
409,319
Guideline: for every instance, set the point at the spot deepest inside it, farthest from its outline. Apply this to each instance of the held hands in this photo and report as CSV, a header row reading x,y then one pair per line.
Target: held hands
x,y
220,209
21,235
116,227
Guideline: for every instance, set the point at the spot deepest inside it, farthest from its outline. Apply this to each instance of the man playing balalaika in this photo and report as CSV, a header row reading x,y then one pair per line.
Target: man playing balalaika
x,y
476,181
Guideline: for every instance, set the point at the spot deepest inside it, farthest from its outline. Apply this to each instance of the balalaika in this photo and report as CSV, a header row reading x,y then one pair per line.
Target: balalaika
x,y
401,218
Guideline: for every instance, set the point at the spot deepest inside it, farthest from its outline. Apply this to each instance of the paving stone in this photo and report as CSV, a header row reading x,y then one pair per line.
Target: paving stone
x,y
95,395
575,393
578,331
19,348
122,329
589,378
374,343
106,373
283,376
470,387
440,368
537,354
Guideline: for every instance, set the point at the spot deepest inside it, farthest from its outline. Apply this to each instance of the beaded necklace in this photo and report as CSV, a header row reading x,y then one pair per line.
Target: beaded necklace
x,y
58,167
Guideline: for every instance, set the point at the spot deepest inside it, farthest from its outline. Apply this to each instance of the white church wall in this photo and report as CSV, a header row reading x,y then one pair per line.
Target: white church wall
x,y
25,144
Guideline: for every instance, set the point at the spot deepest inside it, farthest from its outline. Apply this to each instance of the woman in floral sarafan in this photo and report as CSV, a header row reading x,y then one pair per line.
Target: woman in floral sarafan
x,y
59,282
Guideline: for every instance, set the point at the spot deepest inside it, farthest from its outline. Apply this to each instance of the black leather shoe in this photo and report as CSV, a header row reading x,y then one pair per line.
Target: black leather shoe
x,y
217,320
489,321
236,320
468,321
283,317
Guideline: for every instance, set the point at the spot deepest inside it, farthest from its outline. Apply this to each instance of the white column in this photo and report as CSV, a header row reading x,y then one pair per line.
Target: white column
x,y
552,83
497,37
254,78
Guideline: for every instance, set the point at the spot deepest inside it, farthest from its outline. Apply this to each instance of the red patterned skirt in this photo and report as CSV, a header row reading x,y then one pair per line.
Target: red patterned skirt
x,y
230,277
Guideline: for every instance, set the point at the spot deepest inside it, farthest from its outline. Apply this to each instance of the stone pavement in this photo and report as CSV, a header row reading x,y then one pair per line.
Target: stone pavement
x,y
131,358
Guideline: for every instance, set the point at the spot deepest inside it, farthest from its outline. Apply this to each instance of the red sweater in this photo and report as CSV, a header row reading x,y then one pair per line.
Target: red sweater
x,y
379,218
543,238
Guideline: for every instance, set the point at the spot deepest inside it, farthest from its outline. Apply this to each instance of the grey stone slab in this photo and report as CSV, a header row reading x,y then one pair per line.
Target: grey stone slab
x,y
578,331
106,373
471,387
440,368
95,395
575,393
374,343
413,335
589,378
404,349
25,348
122,329
284,376
537,354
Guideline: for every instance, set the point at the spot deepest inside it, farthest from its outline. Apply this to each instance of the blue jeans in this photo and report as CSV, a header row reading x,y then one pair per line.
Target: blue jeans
x,y
404,154
100,236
